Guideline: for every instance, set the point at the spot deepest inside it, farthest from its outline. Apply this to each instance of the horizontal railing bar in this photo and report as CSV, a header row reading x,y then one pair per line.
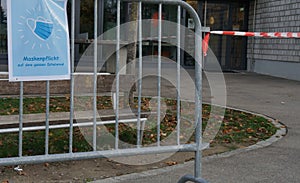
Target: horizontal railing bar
x,y
91,73
99,154
73,74
85,124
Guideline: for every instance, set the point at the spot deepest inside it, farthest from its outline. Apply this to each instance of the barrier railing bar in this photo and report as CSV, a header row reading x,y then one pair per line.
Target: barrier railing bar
x,y
178,73
116,152
191,178
97,154
95,75
72,76
198,98
159,72
21,118
47,117
117,74
139,133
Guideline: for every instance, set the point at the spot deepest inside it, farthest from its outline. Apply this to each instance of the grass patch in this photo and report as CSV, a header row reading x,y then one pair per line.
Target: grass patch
x,y
236,127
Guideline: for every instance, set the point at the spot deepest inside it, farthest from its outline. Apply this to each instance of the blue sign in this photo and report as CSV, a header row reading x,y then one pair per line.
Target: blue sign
x,y
38,40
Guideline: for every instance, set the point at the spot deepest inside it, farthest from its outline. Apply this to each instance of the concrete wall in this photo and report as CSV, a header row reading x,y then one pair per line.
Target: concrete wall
x,y
276,57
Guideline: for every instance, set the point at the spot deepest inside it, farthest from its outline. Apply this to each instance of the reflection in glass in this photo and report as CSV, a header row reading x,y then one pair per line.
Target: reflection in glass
x,y
3,27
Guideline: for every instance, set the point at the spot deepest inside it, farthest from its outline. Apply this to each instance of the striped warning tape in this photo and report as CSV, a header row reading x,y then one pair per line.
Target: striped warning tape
x,y
248,34
259,34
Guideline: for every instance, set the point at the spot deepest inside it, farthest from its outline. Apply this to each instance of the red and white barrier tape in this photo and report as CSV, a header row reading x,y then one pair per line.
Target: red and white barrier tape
x,y
248,34
259,34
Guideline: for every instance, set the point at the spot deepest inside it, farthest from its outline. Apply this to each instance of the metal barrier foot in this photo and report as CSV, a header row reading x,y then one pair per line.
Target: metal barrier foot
x,y
191,178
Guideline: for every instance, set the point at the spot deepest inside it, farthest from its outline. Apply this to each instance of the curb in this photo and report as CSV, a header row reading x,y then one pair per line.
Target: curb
x,y
281,132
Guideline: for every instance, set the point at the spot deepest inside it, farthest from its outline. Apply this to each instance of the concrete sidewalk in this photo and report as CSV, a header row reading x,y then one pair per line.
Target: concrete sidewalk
x,y
280,162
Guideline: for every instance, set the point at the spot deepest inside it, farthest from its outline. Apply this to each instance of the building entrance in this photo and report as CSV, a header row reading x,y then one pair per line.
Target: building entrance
x,y
230,15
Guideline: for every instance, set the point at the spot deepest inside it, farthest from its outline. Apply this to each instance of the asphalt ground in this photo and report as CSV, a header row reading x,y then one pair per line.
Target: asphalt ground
x,y
279,162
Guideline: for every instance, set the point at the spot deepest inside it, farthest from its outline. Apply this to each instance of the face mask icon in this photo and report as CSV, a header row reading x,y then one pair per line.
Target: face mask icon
x,y
40,27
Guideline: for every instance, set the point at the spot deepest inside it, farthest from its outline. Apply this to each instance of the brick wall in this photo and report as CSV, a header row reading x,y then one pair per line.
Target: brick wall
x,y
275,16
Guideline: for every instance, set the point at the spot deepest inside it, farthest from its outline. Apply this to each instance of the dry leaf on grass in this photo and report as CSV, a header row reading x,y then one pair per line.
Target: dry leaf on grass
x,y
170,163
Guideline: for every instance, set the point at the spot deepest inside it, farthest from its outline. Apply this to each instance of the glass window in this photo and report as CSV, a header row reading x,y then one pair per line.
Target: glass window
x,y
87,18
169,13
3,27
3,36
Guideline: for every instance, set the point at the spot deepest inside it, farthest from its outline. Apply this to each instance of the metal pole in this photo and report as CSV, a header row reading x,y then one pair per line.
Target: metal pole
x,y
178,74
198,100
72,76
21,119
159,72
139,141
95,75
117,74
47,117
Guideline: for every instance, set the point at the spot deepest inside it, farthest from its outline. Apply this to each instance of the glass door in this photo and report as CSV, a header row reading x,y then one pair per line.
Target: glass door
x,y
217,18
232,15
237,59
222,15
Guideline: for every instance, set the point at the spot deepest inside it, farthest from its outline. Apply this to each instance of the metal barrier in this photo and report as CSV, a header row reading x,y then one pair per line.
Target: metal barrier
x,y
117,151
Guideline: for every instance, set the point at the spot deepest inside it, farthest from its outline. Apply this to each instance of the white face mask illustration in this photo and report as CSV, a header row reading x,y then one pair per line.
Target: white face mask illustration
x,y
40,27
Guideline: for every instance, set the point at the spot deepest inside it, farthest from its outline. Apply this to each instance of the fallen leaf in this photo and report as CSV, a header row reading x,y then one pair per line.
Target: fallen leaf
x,y
164,134
170,163
250,130
22,173
58,108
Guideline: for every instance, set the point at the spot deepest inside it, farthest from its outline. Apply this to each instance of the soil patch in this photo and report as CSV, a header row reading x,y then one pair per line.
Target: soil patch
x,y
94,169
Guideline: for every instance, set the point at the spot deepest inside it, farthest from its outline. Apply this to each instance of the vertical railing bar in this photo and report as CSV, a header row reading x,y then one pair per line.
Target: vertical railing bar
x,y
117,74
178,74
159,72
139,141
95,76
21,119
47,117
198,100
72,76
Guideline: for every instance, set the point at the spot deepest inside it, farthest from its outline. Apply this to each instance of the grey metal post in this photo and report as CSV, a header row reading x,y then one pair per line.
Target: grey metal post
x,y
159,72
117,74
178,74
72,76
47,117
140,75
21,119
95,75
198,99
